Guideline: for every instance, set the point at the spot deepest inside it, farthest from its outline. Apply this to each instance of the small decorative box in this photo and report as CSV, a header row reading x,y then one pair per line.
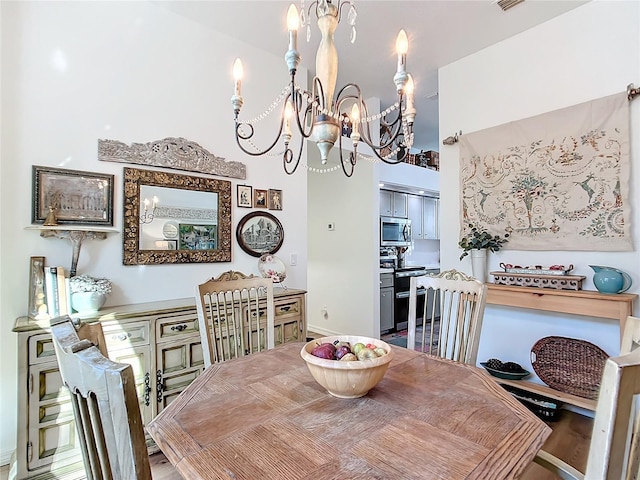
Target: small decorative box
x,y
557,281
537,270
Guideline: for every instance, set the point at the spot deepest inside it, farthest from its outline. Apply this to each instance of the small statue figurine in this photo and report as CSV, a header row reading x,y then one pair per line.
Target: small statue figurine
x,y
51,219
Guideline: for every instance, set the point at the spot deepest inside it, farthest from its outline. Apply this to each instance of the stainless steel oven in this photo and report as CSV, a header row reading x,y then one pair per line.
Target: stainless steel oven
x,y
401,284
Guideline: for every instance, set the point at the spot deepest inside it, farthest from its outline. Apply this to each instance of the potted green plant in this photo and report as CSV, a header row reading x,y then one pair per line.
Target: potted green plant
x,y
88,294
477,242
477,239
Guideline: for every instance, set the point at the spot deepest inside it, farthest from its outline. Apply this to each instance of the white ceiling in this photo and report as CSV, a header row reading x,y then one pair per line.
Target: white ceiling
x,y
440,32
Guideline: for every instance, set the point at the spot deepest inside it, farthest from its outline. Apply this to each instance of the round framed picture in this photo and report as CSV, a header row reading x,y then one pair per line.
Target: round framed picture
x,y
259,233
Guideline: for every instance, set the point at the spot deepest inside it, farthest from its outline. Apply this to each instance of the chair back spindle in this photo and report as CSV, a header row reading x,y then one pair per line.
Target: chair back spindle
x,y
451,315
231,320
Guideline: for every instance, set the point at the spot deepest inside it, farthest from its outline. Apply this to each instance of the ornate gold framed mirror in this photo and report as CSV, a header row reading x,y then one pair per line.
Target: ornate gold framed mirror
x,y
173,218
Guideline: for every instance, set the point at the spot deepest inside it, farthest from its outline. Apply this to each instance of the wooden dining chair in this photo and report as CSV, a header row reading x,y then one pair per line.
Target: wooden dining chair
x,y
93,332
105,407
235,316
614,450
451,316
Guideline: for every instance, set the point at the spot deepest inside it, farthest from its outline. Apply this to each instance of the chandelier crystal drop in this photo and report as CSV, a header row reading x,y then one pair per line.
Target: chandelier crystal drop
x,y
318,114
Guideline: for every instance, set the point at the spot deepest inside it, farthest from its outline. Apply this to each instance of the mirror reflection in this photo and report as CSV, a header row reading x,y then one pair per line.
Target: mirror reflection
x,y
173,218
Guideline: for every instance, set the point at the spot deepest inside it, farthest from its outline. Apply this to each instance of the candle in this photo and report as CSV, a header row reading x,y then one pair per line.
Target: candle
x,y
402,45
238,72
288,112
355,119
292,25
409,89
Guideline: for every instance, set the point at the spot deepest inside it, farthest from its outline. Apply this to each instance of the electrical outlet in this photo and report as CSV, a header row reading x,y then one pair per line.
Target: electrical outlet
x,y
331,226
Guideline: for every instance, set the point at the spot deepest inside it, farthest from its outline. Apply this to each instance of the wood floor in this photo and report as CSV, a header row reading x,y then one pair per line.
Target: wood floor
x,y
569,442
161,468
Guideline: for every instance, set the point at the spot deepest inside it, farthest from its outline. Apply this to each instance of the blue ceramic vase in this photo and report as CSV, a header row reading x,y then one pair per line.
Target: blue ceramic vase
x,y
610,280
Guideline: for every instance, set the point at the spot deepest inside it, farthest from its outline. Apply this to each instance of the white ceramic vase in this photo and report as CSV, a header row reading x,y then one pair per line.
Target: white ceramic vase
x,y
87,302
479,264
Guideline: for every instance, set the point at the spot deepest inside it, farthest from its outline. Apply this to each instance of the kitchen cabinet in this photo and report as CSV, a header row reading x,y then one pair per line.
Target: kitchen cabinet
x,y
424,215
386,302
160,340
393,204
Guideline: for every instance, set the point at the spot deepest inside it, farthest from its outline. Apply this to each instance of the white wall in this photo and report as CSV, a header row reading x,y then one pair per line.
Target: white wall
x,y
74,72
343,268
587,53
344,264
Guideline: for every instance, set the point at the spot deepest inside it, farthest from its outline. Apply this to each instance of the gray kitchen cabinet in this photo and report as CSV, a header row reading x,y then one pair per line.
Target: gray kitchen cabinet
x,y
386,302
424,215
393,204
430,218
415,208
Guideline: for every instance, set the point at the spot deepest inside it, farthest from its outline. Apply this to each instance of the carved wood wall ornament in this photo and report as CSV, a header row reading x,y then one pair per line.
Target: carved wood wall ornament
x,y
176,153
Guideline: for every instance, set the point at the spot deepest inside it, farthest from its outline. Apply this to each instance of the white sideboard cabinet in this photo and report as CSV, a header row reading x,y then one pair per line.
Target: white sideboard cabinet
x,y
160,340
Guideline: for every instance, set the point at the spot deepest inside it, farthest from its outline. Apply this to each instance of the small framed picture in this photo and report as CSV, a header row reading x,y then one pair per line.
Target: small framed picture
x,y
275,199
72,196
259,233
261,199
198,237
245,196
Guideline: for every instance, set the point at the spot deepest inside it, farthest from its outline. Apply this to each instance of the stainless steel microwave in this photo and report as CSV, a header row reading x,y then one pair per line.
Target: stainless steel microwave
x,y
395,232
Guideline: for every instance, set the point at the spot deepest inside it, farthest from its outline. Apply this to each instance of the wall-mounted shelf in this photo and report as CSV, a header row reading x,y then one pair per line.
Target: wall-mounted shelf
x,y
76,234
615,307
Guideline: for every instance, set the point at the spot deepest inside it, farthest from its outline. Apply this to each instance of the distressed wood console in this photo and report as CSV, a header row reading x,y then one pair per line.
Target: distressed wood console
x,y
161,340
616,307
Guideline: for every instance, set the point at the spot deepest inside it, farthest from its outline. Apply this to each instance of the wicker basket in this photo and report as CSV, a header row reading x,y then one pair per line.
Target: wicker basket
x,y
569,365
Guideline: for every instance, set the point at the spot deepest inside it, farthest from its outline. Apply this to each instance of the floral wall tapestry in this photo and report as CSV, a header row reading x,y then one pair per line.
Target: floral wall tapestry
x,y
556,181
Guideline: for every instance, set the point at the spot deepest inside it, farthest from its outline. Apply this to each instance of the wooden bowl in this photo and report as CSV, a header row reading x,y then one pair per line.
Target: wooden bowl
x,y
347,379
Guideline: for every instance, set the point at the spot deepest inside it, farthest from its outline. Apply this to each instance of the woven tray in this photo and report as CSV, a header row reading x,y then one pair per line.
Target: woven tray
x,y
569,365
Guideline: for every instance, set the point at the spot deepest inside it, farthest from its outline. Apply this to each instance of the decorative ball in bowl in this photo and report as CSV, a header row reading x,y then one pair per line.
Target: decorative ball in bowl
x,y
348,377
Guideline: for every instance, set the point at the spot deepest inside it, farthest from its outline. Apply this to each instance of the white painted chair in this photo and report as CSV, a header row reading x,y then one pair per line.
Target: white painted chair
x,y
614,451
105,406
232,322
451,317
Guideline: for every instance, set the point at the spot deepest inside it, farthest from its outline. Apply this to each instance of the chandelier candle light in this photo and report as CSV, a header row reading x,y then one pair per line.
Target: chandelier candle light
x,y
148,216
320,111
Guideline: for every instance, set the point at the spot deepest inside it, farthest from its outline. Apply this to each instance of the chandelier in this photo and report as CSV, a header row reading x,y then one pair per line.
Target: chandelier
x,y
148,216
319,115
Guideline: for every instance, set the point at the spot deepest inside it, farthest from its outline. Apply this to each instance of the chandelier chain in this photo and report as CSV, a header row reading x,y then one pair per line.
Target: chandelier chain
x,y
315,104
